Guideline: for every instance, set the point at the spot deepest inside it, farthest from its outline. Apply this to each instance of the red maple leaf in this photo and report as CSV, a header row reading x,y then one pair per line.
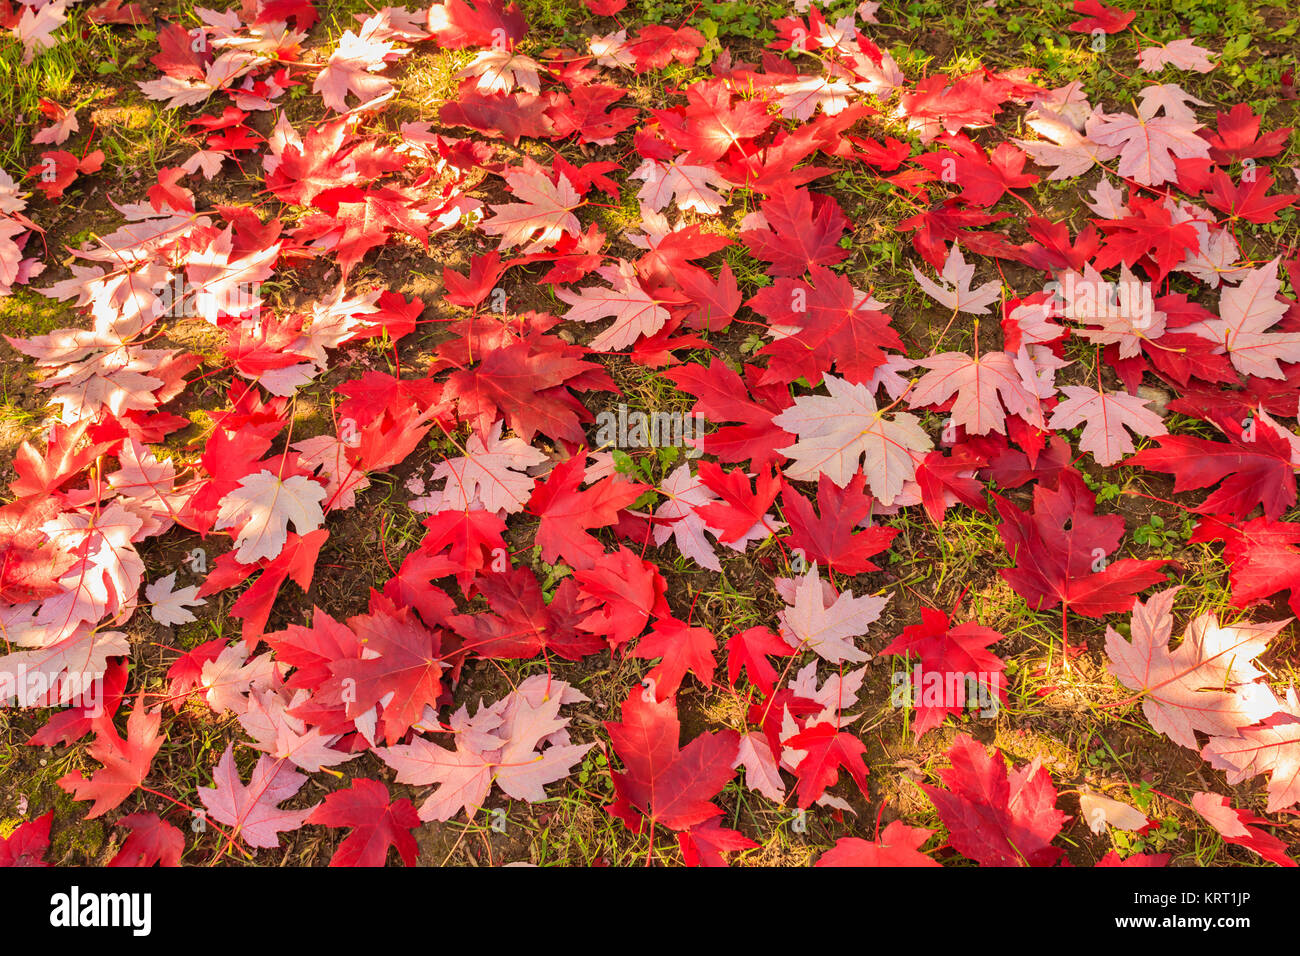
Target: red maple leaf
x,y
1254,466
523,624
948,652
28,843
704,843
682,648
830,326
126,761
302,12
528,382
186,672
1150,232
983,179
655,46
1262,557
169,192
830,539
151,841
376,824
329,157
296,560
1235,827
936,228
178,57
1237,137
802,229
73,723
409,667
667,784
311,650
1247,199
619,595
898,845
742,507
568,513
458,23
470,291
1098,16
710,124
501,115
749,651
42,474
996,818
828,751
470,540
29,567
59,169
585,112
1060,552
941,475
724,397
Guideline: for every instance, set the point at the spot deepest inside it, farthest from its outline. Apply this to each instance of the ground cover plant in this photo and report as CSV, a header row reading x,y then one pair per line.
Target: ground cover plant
x,y
611,434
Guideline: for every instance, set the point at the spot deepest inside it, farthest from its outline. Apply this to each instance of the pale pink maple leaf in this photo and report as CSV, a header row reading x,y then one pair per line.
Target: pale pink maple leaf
x,y
978,383
956,292
251,811
1107,419
1204,684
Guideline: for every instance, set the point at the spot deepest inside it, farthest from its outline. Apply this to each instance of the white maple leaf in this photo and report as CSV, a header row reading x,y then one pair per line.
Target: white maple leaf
x,y
231,676
828,628
979,383
1101,812
1272,747
762,773
263,506
611,50
634,311
1105,416
1245,315
275,731
351,69
1182,53
251,810
11,257
683,493
687,186
837,694
105,581
115,378
222,286
169,603
1063,147
221,74
67,669
956,293
520,744
800,99
34,27
500,71
491,473
58,131
1148,143
544,215
329,455
1124,311
1108,200
1203,685
838,432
